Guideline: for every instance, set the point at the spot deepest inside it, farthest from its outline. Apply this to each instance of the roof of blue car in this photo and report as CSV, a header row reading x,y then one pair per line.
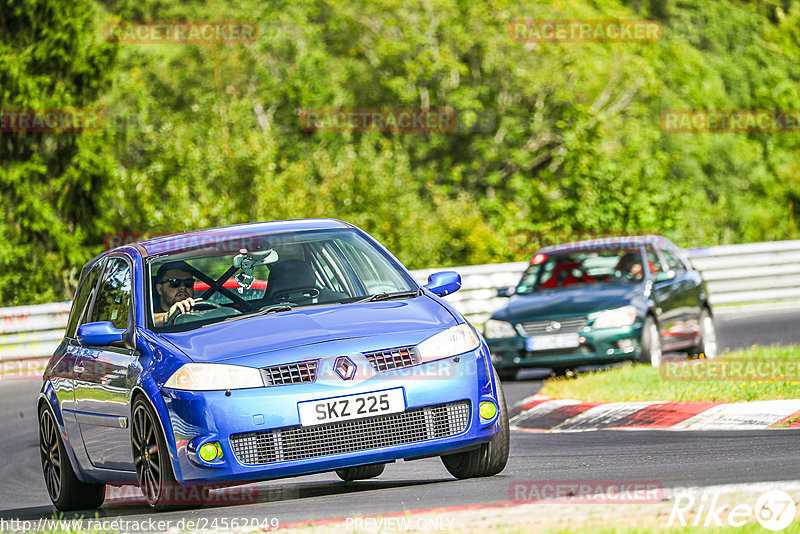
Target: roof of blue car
x,y
169,243
609,242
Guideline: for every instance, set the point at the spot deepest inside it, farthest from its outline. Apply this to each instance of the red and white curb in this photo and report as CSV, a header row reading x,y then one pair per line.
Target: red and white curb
x,y
543,414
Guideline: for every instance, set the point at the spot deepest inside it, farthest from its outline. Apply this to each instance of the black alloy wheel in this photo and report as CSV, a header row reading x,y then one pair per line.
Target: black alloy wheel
x,y
67,492
153,467
147,454
51,456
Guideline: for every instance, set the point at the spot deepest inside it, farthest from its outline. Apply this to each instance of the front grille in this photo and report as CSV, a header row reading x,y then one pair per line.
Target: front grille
x,y
290,373
387,360
568,325
296,443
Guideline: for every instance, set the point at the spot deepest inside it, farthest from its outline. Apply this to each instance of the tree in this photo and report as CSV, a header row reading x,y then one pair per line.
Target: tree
x,y
50,60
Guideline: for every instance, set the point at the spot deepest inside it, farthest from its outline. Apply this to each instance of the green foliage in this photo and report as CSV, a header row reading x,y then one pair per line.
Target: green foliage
x,y
205,135
49,181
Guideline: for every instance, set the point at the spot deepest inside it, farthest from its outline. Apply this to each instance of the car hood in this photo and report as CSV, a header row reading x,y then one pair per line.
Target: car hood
x,y
405,322
569,302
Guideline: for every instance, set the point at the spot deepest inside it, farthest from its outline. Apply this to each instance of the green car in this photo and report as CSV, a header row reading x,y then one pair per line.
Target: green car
x,y
602,301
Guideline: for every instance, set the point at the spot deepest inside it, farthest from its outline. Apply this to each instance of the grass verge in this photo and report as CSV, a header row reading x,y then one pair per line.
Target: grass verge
x,y
632,382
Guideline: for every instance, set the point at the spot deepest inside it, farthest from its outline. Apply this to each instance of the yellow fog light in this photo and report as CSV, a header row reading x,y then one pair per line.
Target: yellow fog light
x,y
210,451
487,410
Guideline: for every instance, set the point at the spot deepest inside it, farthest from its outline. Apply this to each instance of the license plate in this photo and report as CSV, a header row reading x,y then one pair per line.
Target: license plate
x,y
555,341
349,407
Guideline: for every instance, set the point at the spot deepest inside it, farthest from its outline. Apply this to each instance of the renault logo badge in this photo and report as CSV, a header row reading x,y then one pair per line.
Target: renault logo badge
x,y
345,368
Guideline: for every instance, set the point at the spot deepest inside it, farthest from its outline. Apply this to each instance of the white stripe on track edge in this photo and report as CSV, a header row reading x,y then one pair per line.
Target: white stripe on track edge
x,y
755,415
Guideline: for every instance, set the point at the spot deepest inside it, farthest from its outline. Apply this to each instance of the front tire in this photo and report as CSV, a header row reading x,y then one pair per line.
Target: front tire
x,y
562,372
153,467
65,490
707,344
490,458
360,472
651,343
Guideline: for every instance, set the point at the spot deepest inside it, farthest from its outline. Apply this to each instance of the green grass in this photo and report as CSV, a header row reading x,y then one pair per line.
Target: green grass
x,y
632,382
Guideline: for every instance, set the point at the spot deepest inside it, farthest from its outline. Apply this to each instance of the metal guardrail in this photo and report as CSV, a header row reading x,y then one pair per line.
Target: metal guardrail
x,y
734,274
31,331
754,272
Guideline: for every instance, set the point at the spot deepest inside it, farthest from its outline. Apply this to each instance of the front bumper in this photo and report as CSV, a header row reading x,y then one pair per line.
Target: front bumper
x,y
271,413
607,345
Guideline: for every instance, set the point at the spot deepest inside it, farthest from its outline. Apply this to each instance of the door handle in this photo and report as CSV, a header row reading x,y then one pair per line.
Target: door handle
x,y
79,369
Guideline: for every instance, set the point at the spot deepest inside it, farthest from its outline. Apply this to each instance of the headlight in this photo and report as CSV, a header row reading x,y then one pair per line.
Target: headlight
x,y
496,329
453,341
214,376
615,318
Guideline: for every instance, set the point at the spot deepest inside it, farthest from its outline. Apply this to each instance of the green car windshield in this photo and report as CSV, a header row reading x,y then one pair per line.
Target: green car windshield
x,y
269,273
586,267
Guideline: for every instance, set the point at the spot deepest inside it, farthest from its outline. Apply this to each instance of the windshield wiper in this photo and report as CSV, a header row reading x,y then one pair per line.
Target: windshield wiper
x,y
274,309
385,296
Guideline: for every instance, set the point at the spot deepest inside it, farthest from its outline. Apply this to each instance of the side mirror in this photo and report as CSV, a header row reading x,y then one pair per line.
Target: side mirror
x,y
662,276
505,291
444,283
99,334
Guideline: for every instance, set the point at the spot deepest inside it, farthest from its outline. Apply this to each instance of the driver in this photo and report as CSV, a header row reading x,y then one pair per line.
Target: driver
x,y
175,288
631,265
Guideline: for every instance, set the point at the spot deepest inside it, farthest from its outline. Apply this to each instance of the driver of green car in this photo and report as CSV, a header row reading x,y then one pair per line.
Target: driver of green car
x,y
175,288
630,265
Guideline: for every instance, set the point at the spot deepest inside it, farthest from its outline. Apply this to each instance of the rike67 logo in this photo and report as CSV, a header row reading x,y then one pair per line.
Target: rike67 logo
x,y
774,510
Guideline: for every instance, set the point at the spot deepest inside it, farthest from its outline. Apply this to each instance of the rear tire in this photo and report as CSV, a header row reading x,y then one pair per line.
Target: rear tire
x,y
707,344
490,458
360,472
651,343
65,490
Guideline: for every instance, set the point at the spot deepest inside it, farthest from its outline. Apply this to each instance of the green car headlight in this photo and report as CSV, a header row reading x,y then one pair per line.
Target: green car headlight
x,y
494,329
615,318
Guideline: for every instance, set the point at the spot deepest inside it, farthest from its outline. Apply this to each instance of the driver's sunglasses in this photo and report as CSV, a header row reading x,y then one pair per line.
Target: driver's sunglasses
x,y
176,282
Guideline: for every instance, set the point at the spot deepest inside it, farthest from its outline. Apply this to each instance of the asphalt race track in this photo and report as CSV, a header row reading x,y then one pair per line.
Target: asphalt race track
x,y
674,459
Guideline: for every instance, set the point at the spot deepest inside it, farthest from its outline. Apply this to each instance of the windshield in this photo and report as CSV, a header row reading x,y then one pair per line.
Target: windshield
x,y
585,267
274,273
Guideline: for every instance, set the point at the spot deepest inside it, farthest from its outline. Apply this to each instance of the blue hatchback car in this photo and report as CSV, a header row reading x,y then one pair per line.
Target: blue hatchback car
x,y
261,351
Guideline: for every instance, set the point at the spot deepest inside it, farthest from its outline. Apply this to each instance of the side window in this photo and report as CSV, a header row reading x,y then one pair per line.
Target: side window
x,y
673,262
547,270
83,297
113,301
655,260
528,279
